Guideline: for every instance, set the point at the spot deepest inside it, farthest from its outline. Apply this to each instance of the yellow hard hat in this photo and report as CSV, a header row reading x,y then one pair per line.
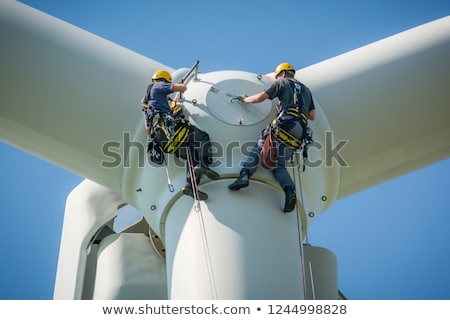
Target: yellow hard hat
x,y
283,67
162,74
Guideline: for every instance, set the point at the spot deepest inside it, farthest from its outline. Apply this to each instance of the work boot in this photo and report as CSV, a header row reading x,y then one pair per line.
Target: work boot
x,y
290,200
206,171
241,182
187,190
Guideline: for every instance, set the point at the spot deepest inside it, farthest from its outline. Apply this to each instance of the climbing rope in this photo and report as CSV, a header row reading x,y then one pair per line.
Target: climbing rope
x,y
201,220
298,189
169,182
192,177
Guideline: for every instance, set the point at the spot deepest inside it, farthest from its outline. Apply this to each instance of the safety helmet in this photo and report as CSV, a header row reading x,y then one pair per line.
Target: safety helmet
x,y
162,74
283,67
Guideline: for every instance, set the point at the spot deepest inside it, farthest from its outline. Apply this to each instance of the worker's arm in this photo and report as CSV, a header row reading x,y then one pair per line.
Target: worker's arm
x,y
179,87
312,114
256,98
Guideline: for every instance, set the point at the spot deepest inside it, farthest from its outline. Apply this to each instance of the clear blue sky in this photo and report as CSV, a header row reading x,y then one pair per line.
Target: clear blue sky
x,y
392,241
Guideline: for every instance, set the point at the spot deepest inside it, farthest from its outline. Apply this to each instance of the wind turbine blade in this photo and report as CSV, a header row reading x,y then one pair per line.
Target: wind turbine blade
x,y
390,100
66,93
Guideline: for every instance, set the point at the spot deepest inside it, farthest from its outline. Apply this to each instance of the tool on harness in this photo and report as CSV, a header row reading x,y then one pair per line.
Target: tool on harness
x,y
156,154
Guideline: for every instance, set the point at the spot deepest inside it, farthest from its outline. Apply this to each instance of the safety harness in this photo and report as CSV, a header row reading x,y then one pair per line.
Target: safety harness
x,y
280,130
168,131
285,118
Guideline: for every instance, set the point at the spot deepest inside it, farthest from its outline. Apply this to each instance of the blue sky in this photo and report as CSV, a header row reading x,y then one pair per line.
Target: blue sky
x,y
392,241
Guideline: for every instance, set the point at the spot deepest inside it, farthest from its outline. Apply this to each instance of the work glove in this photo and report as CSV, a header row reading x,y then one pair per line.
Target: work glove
x,y
241,97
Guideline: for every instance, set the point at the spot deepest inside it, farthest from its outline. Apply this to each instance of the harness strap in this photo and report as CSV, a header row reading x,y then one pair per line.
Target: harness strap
x,y
287,139
178,138
291,113
175,131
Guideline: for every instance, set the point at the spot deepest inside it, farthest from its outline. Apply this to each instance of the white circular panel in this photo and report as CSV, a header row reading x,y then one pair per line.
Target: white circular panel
x,y
223,105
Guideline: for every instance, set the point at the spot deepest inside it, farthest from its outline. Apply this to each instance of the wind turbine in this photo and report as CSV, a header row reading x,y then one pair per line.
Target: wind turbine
x,y
198,248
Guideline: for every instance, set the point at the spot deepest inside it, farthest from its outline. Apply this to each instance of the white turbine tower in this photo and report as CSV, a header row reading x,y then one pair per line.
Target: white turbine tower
x,y
229,247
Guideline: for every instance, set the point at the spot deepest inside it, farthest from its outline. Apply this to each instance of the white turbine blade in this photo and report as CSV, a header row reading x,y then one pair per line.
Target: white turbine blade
x,y
390,99
66,92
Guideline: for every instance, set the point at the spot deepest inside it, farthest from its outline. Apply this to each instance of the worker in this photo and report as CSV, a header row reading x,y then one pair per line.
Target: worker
x,y
288,129
174,134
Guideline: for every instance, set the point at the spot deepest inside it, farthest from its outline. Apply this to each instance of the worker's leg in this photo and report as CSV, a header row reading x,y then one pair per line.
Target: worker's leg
x,y
283,177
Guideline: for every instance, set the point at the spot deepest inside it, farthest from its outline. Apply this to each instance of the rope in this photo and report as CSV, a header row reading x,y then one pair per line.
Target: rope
x,y
169,182
192,177
312,281
298,186
198,209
